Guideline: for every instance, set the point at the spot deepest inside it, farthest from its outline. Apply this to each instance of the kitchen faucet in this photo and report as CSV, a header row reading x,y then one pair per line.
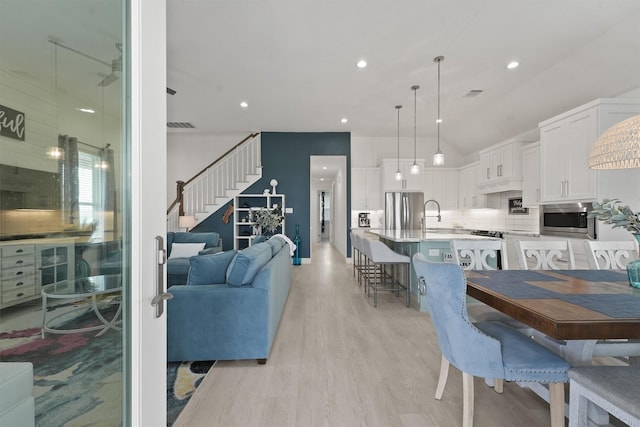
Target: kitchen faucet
x,y
424,214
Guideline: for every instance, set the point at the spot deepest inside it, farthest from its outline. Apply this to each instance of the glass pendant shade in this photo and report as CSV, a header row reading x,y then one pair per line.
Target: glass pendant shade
x,y
438,159
398,175
618,147
415,169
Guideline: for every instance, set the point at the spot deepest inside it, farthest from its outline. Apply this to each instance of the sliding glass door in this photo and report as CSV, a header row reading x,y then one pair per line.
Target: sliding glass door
x,y
78,264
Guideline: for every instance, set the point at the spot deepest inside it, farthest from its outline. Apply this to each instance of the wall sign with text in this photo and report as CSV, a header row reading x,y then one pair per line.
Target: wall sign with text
x,y
12,123
515,207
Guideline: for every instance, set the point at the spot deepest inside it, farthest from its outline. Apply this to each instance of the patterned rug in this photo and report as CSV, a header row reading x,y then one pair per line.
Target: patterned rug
x,y
182,380
78,377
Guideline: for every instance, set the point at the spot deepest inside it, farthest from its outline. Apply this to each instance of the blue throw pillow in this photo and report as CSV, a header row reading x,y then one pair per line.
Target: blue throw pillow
x,y
210,238
209,269
246,263
276,245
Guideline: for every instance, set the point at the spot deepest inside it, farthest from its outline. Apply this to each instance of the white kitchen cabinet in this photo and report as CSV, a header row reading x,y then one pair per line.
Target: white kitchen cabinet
x,y
389,167
565,142
365,189
531,175
441,185
468,194
501,168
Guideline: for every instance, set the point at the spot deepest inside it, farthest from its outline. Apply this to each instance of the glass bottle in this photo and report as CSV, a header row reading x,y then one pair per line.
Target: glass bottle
x,y
633,269
296,240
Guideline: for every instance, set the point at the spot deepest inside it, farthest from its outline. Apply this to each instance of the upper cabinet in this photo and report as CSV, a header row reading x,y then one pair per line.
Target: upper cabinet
x,y
565,141
409,182
365,189
442,185
468,195
531,175
501,168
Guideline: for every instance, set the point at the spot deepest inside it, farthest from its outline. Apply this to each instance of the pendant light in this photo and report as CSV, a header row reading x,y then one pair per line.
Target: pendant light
x,y
438,158
415,169
55,152
618,147
398,173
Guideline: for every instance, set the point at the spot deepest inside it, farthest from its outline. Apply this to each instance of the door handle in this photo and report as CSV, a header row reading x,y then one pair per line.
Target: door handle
x,y
160,295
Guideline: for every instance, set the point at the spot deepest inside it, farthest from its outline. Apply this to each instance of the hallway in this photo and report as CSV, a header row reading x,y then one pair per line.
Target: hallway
x,y
337,361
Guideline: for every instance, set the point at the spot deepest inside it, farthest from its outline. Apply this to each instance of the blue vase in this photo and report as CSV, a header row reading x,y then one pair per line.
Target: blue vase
x,y
633,269
296,240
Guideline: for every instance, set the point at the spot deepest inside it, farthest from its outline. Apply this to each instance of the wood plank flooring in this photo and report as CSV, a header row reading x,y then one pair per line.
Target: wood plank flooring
x,y
338,361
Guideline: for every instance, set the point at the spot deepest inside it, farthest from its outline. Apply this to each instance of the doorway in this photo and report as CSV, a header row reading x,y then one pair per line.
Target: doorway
x,y
329,201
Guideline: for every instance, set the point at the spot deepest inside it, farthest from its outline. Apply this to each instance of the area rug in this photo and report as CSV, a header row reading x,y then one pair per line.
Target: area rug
x,y
182,380
78,377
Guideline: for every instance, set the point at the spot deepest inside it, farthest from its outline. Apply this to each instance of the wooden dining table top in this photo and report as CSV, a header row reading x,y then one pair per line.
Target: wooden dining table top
x,y
566,305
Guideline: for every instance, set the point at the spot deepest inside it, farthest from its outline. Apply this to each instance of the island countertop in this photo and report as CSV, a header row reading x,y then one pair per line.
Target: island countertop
x,y
415,236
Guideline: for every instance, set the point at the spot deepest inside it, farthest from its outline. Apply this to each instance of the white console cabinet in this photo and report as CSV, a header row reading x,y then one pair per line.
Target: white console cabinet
x,y
27,265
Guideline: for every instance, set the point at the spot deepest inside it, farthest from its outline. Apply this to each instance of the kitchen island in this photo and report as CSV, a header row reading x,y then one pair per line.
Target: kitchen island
x,y
434,244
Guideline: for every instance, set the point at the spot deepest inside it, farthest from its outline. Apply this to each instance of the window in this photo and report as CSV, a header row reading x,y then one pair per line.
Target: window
x,y
88,188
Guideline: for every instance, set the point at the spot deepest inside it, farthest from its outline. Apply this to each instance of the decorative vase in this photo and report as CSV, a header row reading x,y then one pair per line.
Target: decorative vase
x,y
633,269
296,240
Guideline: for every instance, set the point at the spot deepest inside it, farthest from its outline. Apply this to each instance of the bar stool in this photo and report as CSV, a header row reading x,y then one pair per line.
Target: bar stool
x,y
380,256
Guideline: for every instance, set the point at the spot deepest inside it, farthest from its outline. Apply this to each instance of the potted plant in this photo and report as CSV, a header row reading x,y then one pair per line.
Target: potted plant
x,y
268,219
614,212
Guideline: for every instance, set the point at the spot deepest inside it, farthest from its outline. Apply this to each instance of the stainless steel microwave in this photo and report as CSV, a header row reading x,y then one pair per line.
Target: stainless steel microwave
x,y
567,220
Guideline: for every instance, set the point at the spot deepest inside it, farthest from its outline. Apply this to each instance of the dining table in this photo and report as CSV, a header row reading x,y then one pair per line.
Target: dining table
x,y
580,307
577,308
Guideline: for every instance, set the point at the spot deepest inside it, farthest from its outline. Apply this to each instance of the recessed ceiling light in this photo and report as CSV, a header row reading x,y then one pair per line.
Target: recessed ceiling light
x,y
244,104
513,64
86,110
321,179
344,120
324,167
361,64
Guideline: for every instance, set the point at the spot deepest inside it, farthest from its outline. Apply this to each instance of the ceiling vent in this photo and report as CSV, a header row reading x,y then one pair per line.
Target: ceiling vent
x,y
180,125
473,93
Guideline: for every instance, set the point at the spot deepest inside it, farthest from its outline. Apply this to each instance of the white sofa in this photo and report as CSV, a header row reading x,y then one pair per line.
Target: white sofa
x,y
16,394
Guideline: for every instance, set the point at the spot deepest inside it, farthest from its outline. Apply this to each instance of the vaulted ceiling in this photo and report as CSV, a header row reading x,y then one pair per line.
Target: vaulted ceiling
x,y
294,63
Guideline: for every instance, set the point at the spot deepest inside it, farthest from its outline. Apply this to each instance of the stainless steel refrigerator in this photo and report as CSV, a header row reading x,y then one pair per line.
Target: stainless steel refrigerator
x,y
403,210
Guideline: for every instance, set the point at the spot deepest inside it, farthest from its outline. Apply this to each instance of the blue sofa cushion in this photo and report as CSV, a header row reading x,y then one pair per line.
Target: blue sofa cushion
x,y
246,263
276,244
209,269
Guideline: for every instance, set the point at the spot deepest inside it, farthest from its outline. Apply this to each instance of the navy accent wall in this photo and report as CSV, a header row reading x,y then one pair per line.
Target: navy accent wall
x,y
286,157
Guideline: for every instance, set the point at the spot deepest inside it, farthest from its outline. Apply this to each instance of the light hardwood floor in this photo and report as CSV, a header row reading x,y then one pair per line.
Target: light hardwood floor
x,y
338,361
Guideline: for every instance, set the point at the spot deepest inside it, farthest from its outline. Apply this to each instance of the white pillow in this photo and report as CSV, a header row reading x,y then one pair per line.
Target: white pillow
x,y
185,250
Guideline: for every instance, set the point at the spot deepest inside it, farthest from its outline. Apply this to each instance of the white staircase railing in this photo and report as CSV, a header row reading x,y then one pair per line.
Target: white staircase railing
x,y
219,183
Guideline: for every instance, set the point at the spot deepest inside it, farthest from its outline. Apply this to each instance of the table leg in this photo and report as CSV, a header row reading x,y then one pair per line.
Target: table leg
x,y
109,324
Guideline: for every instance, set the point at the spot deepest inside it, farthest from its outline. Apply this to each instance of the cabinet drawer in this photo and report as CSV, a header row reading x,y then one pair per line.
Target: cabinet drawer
x,y
17,283
18,272
18,261
27,291
12,250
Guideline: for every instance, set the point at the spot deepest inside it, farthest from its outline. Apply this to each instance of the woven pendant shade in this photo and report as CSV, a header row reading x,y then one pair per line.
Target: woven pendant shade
x,y
618,147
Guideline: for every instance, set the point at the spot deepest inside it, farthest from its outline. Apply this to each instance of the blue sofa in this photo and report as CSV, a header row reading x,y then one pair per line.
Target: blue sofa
x,y
231,306
178,268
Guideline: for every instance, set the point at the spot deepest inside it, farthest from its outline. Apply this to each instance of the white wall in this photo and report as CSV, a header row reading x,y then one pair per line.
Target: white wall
x,y
339,219
189,153
369,151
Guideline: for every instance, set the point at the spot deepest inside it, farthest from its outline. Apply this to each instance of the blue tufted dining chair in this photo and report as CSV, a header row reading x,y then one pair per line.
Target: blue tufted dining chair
x,y
484,349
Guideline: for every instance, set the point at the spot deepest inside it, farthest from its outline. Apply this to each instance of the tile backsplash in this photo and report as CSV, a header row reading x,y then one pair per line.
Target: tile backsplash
x,y
495,218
